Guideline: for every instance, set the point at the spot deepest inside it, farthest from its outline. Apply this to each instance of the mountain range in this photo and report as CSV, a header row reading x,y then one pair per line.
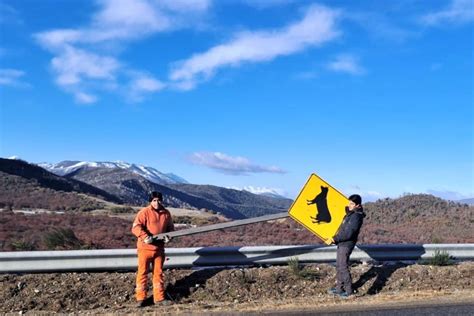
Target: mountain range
x,y
131,184
66,167
467,201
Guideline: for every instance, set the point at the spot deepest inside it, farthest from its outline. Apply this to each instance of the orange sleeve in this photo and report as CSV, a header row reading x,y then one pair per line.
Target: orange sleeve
x,y
139,225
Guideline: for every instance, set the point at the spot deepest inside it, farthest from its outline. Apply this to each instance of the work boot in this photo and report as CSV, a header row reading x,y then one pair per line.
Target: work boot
x,y
141,304
345,295
164,303
334,291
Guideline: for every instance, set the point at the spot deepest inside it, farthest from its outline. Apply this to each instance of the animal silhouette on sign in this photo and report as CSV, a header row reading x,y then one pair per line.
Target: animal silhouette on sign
x,y
321,202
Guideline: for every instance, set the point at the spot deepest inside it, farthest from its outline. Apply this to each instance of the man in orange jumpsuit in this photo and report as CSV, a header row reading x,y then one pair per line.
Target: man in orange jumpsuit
x,y
151,220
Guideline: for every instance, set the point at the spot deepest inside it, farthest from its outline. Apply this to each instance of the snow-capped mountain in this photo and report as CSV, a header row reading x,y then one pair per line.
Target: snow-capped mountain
x,y
275,193
66,167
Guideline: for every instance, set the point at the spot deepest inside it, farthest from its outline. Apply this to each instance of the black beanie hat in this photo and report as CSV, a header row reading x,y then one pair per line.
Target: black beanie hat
x,y
356,199
155,195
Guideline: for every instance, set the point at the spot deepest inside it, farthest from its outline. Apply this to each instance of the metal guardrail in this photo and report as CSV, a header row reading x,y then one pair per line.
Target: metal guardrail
x,y
125,259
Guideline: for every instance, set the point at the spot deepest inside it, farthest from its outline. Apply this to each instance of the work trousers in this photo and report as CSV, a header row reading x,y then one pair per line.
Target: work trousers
x,y
343,275
155,259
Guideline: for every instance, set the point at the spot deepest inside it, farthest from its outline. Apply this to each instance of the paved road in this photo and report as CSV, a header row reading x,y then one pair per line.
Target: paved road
x,y
455,309
465,309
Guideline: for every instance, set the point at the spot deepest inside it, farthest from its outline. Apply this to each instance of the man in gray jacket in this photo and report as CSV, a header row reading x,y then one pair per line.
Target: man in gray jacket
x,y
346,239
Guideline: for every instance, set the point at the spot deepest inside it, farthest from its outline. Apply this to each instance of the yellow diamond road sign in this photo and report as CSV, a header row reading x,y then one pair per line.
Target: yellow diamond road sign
x,y
319,207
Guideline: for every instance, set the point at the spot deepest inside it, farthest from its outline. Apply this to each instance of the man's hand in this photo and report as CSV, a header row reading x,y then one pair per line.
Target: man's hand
x,y
329,241
167,239
148,240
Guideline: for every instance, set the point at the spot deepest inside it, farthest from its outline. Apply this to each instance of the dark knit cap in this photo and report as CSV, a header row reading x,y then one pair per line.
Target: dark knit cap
x,y
155,195
356,199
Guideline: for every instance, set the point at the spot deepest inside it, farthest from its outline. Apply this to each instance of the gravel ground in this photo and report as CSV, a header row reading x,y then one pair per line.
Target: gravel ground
x,y
230,290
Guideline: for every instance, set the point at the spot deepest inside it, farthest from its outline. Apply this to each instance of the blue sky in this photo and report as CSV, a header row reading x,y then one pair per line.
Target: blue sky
x,y
374,96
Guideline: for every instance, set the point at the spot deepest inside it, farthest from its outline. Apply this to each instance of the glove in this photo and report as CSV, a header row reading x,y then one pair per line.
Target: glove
x,y
148,240
167,239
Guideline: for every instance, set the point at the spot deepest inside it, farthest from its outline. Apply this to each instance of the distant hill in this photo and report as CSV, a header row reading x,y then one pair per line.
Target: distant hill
x,y
246,203
409,219
134,189
23,185
422,217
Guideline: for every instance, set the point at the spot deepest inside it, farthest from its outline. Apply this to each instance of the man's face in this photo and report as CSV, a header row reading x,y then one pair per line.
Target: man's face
x,y
154,203
351,206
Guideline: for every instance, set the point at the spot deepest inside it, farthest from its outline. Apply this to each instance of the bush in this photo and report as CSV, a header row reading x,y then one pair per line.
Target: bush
x,y
61,238
121,209
436,240
247,277
23,245
299,271
440,258
294,266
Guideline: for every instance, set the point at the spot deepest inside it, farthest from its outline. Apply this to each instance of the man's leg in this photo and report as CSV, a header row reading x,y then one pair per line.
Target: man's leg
x,y
345,275
144,259
339,265
158,278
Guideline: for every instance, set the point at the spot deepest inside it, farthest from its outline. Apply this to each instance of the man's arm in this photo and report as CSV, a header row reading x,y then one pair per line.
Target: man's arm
x,y
349,230
139,226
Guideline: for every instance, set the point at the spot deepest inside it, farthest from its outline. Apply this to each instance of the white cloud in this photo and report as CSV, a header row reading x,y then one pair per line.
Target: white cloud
x,y
306,75
346,63
315,28
458,12
230,165
85,98
185,5
73,65
367,195
450,195
11,77
128,19
374,193
82,53
381,26
143,84
120,20
147,84
58,39
371,196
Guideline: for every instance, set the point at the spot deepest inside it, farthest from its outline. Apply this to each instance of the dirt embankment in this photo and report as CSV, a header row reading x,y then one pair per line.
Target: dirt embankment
x,y
272,288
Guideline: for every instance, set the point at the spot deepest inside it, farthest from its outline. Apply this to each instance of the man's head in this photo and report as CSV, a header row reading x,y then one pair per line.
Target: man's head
x,y
355,201
155,199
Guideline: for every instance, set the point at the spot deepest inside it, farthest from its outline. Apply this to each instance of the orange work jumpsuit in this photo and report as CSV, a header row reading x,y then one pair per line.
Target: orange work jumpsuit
x,y
150,222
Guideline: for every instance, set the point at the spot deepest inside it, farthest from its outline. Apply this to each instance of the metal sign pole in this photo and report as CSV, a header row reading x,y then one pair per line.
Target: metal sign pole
x,y
208,228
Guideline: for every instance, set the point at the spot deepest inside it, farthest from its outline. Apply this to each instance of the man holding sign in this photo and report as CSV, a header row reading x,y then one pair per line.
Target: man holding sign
x,y
346,239
332,217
